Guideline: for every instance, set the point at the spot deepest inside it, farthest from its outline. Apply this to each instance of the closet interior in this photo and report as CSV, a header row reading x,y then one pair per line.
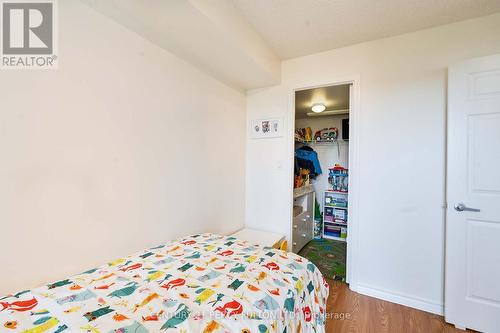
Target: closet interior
x,y
321,173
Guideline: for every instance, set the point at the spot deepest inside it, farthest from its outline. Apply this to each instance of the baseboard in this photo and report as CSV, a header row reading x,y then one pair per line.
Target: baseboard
x,y
407,300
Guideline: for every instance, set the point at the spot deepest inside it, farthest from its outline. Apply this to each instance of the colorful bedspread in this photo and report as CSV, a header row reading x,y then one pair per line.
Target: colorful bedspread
x,y
201,283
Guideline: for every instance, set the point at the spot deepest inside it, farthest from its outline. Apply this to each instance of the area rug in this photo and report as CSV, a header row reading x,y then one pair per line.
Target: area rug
x,y
328,255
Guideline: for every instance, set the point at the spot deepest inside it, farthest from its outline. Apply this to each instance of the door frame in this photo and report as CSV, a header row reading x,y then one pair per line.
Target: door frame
x,y
354,165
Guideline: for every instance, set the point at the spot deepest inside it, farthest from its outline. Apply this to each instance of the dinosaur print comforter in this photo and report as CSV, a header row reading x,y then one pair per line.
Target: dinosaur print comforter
x,y
201,283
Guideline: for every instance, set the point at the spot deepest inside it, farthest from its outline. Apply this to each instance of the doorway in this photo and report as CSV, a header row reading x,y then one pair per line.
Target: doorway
x,y
322,207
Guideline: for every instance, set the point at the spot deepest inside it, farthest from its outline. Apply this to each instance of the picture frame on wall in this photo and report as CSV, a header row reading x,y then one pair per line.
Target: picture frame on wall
x,y
266,128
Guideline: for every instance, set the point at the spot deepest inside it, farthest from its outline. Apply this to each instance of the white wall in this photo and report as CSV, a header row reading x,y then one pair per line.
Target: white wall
x,y
401,158
125,146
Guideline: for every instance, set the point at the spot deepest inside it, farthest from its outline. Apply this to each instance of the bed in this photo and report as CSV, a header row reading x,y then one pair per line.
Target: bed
x,y
200,283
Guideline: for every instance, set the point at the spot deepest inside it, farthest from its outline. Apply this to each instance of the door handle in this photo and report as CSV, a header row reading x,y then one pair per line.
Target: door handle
x,y
460,207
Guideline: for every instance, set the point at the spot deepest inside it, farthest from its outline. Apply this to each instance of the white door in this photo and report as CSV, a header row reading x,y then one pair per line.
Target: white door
x,y
472,283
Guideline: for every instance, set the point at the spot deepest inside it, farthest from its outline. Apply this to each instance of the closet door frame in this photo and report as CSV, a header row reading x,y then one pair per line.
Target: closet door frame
x,y
354,186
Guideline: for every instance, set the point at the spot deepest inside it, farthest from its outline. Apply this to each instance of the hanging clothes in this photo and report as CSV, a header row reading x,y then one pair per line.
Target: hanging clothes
x,y
307,158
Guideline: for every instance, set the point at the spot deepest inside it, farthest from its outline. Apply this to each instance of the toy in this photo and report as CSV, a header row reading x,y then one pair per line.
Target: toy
x,y
308,134
318,221
303,134
343,232
327,134
299,134
302,179
338,178
335,199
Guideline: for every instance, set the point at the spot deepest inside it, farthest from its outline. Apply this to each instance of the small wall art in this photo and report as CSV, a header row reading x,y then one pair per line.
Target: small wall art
x,y
266,128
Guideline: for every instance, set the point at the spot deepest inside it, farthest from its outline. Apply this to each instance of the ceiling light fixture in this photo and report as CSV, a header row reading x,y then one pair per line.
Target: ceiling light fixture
x,y
318,108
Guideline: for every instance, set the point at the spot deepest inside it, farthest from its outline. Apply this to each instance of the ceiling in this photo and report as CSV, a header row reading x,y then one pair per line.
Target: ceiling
x,y
333,97
210,34
242,42
294,28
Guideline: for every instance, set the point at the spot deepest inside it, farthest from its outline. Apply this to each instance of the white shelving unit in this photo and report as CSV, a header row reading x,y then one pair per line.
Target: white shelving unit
x,y
335,217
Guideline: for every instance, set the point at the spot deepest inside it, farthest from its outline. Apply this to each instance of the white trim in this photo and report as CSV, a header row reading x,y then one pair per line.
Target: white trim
x,y
354,164
403,299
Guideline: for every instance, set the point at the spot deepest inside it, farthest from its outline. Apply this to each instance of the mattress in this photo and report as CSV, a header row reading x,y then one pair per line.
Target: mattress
x,y
200,283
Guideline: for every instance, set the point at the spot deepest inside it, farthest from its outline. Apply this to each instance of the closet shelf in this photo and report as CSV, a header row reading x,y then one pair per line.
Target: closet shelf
x,y
337,223
313,142
335,238
334,206
300,191
339,192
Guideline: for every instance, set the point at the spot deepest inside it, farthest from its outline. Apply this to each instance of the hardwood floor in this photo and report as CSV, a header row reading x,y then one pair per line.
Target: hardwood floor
x,y
352,312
